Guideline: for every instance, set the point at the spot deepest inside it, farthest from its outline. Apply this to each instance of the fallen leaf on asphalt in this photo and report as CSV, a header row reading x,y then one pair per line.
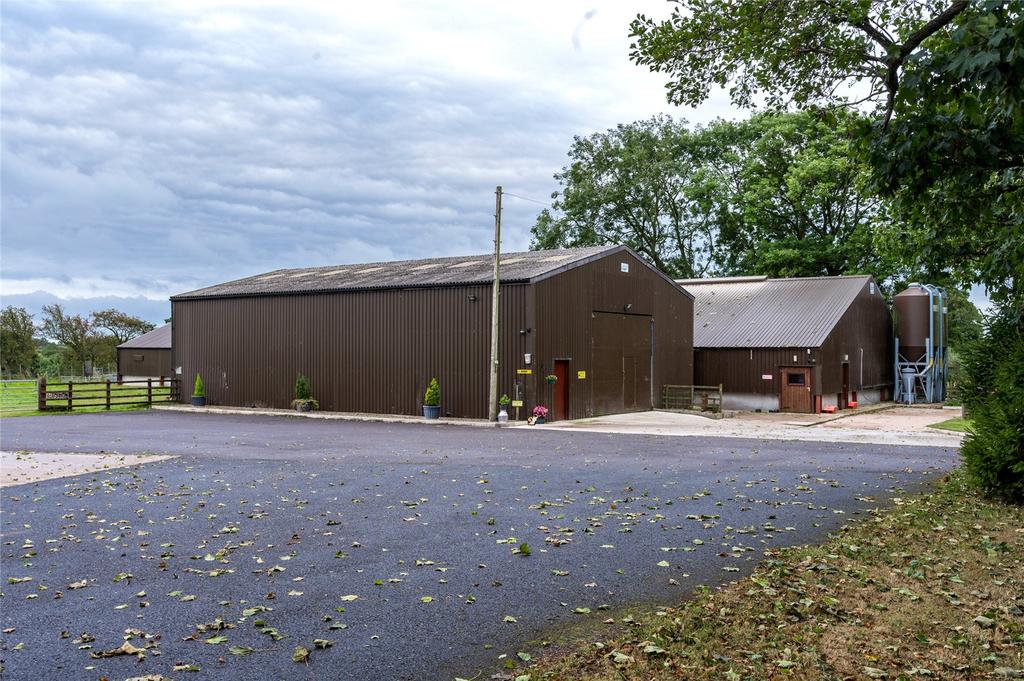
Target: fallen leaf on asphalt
x,y
301,654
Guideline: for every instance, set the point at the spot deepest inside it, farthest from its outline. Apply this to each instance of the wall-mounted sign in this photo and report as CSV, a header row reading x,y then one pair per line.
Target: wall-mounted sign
x,y
527,358
524,372
624,267
581,375
517,403
766,377
56,394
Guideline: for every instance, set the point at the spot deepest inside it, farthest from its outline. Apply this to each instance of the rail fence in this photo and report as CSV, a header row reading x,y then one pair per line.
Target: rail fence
x,y
41,395
692,397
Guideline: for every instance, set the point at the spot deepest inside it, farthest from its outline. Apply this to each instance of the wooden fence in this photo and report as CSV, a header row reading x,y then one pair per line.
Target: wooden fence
x,y
106,394
692,397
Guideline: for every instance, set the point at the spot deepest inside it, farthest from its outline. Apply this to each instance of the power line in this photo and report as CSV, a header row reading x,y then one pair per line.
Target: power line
x,y
526,198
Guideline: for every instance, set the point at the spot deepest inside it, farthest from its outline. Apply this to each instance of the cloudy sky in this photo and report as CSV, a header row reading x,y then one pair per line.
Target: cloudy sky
x,y
153,148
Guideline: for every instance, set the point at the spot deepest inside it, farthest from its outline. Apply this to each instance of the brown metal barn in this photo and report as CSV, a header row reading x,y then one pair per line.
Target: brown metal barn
x,y
792,344
148,355
369,337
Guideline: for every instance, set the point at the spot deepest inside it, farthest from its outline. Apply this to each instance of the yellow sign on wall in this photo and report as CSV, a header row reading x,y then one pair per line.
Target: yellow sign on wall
x,y
524,371
517,403
581,375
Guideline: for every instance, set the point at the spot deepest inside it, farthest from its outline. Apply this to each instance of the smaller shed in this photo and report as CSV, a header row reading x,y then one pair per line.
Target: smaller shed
x,y
148,355
797,345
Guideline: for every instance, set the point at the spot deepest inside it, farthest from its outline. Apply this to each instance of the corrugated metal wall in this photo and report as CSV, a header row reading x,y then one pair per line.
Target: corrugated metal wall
x,y
563,308
866,325
375,351
368,351
740,370
153,362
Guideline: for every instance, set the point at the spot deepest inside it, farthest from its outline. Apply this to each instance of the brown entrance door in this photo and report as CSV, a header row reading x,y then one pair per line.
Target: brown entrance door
x,y
560,400
620,363
796,390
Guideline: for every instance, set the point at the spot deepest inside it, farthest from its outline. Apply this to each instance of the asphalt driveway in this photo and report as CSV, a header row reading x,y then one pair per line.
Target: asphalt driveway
x,y
392,542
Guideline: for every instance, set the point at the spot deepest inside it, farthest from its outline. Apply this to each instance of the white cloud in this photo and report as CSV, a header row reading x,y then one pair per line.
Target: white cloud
x,y
170,146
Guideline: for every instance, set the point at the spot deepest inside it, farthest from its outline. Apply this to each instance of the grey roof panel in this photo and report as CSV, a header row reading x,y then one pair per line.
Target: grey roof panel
x,y
470,269
751,312
160,337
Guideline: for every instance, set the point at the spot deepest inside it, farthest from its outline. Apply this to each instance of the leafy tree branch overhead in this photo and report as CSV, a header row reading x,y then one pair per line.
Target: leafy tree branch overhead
x,y
945,142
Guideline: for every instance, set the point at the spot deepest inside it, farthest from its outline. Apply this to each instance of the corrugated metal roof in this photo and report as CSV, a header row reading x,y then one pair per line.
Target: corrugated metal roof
x,y
470,269
160,337
755,312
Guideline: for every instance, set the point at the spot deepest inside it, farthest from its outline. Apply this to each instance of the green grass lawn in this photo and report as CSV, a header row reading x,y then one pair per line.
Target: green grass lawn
x,y
19,398
958,424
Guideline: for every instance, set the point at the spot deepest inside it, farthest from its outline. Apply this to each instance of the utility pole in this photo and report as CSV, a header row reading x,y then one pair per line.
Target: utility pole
x,y
492,410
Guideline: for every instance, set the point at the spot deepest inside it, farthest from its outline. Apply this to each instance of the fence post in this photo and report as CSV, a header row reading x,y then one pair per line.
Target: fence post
x,y
149,391
71,394
41,396
108,394
161,381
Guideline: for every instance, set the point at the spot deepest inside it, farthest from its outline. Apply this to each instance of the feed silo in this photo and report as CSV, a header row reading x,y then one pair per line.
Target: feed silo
x,y
920,366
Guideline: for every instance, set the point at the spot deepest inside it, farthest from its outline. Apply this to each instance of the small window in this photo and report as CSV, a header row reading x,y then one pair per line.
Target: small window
x,y
795,379
138,358
624,267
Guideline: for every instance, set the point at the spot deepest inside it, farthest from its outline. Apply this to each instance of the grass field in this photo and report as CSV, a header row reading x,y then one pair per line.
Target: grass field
x,y
931,588
960,425
19,398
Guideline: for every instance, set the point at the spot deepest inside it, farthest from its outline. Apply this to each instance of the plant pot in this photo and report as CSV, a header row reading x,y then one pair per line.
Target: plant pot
x,y
538,420
551,381
198,400
431,412
503,415
303,406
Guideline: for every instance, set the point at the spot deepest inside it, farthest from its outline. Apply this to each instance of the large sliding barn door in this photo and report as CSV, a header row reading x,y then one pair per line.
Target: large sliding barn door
x,y
620,363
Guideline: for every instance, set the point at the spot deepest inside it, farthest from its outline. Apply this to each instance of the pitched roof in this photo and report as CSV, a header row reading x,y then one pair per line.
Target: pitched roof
x,y
758,312
469,269
160,337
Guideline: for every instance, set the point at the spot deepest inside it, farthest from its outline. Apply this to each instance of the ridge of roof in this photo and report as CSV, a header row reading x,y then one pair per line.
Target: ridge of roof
x,y
517,266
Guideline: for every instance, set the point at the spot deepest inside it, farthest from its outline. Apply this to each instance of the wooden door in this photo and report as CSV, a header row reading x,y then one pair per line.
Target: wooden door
x,y
796,390
560,400
844,399
620,363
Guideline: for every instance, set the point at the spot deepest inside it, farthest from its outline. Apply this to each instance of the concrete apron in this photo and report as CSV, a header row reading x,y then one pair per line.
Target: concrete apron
x,y
884,430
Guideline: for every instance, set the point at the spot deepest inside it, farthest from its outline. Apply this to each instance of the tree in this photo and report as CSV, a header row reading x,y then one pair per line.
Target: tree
x,y
945,146
788,199
17,349
72,331
627,186
122,326
777,194
946,79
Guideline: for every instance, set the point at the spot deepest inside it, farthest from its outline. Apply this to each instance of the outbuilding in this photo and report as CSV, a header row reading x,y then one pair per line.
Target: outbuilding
x,y
146,356
584,332
796,345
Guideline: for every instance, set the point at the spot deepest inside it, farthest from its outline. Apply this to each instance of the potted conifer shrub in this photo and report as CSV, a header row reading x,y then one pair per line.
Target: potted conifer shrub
x,y
432,400
304,395
199,393
504,401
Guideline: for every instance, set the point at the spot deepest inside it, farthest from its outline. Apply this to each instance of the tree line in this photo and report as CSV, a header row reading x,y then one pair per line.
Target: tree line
x,y
890,141
63,344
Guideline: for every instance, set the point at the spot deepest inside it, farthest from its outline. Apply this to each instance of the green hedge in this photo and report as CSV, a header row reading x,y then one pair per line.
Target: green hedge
x,y
993,395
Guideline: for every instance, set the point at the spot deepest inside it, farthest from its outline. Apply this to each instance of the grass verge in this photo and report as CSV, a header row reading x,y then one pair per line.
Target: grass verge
x,y
930,588
958,424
